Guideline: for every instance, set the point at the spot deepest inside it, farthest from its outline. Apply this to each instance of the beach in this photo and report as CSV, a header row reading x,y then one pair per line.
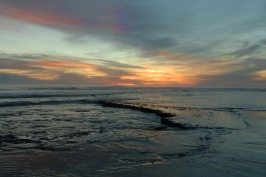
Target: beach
x,y
120,131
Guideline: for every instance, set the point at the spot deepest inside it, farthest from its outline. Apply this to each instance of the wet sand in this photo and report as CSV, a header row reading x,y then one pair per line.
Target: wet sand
x,y
235,154
238,154
183,142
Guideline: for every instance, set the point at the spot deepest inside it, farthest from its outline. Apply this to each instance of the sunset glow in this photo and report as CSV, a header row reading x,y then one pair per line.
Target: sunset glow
x,y
87,70
45,19
132,44
260,75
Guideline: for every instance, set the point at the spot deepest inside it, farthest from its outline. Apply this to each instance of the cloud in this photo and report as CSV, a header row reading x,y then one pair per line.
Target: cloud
x,y
248,74
149,25
65,79
250,49
51,69
176,69
233,79
260,75
13,79
117,64
126,24
173,42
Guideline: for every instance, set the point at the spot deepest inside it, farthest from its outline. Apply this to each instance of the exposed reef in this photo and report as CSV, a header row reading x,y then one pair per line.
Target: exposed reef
x,y
144,108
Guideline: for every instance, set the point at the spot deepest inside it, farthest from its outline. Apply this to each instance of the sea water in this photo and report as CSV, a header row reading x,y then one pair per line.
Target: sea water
x,y
55,119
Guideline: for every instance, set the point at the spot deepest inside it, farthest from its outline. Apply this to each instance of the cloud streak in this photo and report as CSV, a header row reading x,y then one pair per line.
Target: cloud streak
x,y
117,42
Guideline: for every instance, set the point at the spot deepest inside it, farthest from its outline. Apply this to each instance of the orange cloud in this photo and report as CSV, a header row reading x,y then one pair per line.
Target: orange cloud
x,y
200,66
260,75
53,19
162,75
125,84
180,69
53,70
87,70
45,19
175,79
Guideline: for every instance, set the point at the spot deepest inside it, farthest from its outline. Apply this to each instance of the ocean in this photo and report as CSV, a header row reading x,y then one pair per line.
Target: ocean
x,y
132,131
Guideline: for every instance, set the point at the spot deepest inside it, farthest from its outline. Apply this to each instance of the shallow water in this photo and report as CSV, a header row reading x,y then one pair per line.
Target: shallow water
x,y
138,127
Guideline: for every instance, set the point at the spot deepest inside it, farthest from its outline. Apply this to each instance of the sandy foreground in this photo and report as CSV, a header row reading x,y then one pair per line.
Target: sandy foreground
x,y
238,154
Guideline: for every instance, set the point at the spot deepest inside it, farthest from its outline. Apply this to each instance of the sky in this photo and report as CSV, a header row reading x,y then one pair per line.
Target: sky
x,y
184,43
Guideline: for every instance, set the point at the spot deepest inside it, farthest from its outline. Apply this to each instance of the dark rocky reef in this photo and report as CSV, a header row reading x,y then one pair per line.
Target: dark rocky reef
x,y
144,108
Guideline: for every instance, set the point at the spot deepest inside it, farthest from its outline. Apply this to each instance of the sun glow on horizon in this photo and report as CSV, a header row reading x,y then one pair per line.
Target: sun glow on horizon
x,y
162,75
260,75
124,43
